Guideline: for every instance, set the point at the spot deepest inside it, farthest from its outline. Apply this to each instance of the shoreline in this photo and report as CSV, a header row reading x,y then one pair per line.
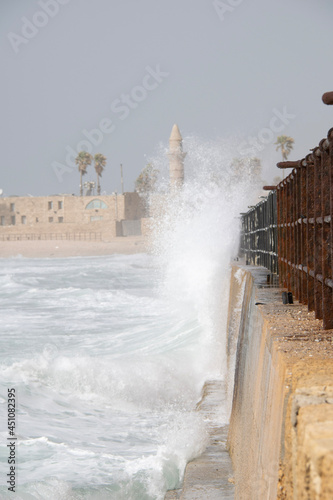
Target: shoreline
x,y
64,248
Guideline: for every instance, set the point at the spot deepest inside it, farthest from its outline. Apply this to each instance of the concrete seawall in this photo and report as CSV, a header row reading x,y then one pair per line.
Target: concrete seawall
x,y
281,426
280,393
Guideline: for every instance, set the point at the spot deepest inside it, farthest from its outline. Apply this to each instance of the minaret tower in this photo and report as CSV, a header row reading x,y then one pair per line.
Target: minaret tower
x,y
176,159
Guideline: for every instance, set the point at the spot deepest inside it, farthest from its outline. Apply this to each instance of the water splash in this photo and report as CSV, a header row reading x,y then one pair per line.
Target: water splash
x,y
115,365
196,235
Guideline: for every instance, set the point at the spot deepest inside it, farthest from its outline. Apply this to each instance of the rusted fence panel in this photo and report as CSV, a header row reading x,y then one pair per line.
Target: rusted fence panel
x,y
259,234
291,233
305,231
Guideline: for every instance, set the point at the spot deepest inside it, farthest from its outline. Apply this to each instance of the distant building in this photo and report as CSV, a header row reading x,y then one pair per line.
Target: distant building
x,y
70,217
159,202
176,159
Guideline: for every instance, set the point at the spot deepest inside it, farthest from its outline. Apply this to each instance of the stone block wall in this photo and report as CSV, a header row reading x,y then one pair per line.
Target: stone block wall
x,y
67,216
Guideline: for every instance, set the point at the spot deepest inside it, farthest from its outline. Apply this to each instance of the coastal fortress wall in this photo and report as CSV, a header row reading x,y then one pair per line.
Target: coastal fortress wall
x,y
281,427
69,217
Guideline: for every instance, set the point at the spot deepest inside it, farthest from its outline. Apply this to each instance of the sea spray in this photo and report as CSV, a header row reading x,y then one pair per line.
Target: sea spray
x,y
196,234
109,354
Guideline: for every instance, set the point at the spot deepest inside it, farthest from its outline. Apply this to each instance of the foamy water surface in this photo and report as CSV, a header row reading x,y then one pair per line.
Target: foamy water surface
x,y
106,375
108,355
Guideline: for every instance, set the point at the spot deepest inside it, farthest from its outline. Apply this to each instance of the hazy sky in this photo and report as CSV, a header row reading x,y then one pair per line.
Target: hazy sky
x,y
128,70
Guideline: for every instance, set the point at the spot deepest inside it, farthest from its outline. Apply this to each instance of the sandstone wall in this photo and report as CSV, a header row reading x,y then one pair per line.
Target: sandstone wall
x,y
281,427
67,217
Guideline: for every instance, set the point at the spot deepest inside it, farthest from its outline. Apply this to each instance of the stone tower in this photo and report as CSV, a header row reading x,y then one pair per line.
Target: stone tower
x,y
176,159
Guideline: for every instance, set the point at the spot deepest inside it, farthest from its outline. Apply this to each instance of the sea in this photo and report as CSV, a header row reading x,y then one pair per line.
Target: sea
x,y
103,359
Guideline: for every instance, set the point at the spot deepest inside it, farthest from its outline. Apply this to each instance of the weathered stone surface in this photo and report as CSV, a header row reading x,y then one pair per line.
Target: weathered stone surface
x,y
314,452
284,372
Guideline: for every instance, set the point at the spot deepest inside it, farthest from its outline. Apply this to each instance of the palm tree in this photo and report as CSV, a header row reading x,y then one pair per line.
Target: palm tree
x,y
100,162
146,182
82,160
286,144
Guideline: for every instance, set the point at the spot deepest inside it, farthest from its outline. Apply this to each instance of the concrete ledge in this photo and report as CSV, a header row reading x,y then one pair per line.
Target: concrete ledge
x,y
210,476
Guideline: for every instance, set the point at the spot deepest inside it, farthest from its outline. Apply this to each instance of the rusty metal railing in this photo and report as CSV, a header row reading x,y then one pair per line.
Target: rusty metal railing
x,y
305,203
259,234
304,209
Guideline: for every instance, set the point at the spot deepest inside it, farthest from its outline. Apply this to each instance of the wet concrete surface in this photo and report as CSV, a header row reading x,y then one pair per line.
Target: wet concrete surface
x,y
209,476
